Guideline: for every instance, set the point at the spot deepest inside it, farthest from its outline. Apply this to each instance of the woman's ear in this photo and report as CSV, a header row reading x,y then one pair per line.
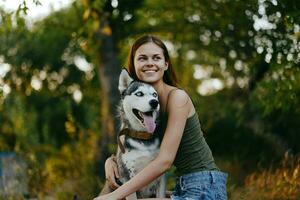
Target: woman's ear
x,y
166,66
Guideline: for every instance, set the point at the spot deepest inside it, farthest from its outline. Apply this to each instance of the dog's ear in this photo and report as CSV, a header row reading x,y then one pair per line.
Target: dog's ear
x,y
124,80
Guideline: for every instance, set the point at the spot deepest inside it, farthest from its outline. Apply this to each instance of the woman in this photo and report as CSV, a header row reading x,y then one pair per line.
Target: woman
x,y
182,143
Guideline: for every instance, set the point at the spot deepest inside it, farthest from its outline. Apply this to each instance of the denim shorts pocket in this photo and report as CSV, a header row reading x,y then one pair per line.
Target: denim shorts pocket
x,y
199,192
207,185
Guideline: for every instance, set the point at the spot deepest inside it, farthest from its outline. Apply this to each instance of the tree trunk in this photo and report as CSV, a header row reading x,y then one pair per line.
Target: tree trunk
x,y
108,72
260,69
255,123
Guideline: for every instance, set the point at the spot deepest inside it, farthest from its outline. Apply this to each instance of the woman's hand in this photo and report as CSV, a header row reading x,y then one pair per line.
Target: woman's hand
x,y
111,172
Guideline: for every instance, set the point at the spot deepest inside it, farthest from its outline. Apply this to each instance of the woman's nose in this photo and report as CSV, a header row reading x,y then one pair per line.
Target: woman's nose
x,y
150,62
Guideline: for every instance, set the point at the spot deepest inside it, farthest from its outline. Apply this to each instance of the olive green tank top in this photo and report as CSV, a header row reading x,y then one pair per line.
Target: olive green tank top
x,y
193,154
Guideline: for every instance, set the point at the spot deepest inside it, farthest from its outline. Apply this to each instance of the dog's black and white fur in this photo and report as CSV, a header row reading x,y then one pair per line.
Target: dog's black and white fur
x,y
139,110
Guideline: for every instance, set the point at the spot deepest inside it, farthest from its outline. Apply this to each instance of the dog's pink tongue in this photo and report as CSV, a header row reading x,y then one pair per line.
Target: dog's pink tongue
x,y
149,123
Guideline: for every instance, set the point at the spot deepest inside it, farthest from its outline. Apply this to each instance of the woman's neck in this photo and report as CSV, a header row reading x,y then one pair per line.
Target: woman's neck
x,y
160,87
163,90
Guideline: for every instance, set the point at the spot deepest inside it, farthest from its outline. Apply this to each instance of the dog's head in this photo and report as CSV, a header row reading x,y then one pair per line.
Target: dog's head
x,y
139,104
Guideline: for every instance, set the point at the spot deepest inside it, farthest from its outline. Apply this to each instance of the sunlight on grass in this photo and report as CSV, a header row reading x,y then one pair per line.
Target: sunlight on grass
x,y
282,182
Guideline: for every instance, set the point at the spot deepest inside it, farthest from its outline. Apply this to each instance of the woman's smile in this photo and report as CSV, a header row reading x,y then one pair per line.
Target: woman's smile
x,y
149,71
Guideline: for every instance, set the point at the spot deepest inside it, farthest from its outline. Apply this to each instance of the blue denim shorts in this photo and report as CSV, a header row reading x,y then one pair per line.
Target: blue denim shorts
x,y
204,185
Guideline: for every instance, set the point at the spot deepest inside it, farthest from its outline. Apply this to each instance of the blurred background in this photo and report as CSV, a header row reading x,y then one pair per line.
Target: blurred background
x,y
59,68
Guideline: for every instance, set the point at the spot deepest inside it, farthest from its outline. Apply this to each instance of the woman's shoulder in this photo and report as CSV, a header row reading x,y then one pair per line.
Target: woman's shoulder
x,y
178,97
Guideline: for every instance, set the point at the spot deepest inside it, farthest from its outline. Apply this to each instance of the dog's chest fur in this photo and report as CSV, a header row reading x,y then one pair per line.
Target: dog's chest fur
x,y
138,154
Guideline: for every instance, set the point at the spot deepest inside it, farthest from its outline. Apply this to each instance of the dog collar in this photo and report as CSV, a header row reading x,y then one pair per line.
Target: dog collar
x,y
142,135
136,134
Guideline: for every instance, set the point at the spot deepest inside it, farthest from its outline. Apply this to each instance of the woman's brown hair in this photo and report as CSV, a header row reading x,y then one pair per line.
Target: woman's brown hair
x,y
169,76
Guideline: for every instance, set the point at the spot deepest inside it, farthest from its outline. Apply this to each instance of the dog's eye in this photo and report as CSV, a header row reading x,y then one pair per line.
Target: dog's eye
x,y
154,94
139,94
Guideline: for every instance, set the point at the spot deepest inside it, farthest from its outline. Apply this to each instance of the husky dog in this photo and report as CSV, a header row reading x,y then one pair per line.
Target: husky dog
x,y
139,110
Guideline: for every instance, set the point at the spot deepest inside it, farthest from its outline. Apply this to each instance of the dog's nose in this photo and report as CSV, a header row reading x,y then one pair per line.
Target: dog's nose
x,y
153,103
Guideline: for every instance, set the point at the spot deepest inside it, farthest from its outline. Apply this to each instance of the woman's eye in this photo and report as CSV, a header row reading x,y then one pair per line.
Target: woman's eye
x,y
154,94
139,94
142,58
156,58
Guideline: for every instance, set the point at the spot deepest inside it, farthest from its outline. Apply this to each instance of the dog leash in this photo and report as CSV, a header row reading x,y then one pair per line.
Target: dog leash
x,y
134,134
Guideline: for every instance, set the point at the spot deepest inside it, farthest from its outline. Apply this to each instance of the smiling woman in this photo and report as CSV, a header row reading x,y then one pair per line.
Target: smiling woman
x,y
179,128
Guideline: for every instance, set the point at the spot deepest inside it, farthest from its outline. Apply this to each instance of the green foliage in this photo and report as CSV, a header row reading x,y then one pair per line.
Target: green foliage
x,y
44,124
279,91
71,170
277,100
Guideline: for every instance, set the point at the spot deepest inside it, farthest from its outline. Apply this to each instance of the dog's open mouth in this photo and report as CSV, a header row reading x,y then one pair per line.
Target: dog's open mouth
x,y
146,118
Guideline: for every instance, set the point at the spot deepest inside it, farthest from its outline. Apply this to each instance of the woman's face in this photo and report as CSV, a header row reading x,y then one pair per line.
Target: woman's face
x,y
150,63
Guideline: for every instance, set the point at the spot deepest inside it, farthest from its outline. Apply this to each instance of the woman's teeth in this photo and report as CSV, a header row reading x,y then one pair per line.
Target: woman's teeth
x,y
150,71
